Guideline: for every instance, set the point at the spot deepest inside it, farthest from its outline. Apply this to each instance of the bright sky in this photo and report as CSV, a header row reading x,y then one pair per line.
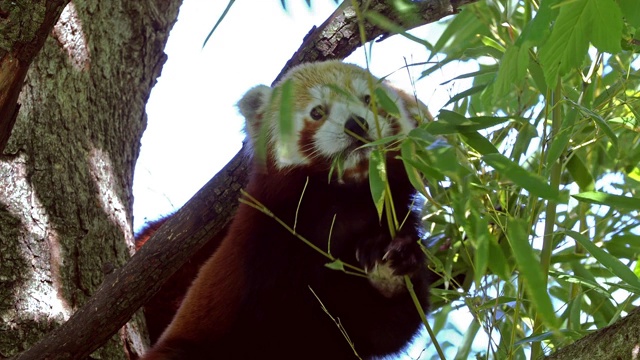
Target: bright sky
x,y
194,128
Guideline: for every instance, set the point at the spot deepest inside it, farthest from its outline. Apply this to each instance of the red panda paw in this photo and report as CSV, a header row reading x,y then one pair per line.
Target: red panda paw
x,y
386,265
405,255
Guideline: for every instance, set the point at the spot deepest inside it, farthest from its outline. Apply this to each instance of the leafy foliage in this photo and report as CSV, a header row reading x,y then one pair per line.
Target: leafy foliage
x,y
553,111
531,175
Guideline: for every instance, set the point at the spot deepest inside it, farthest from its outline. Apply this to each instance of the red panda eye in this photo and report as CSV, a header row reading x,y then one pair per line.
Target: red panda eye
x,y
367,99
318,113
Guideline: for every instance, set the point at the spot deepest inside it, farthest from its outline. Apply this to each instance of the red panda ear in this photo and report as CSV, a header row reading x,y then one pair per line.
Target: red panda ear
x,y
252,106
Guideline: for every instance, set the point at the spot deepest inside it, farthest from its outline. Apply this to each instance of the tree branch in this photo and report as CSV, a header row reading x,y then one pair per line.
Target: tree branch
x,y
25,26
620,340
199,220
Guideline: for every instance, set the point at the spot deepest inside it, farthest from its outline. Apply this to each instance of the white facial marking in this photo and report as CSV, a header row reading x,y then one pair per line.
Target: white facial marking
x,y
339,91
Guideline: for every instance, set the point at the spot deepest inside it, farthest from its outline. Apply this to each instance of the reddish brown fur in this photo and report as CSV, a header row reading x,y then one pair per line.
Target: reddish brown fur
x,y
162,307
260,294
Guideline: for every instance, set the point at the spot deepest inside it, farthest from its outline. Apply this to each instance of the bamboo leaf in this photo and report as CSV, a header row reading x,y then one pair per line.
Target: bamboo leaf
x,y
615,201
602,124
513,68
530,270
464,94
607,260
377,179
498,263
580,173
386,103
533,183
479,143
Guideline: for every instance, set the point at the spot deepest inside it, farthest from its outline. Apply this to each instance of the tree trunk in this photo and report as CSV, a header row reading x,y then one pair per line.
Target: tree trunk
x,y
66,174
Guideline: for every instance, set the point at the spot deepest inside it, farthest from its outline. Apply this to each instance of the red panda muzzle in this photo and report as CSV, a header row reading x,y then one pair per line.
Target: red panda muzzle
x,y
357,126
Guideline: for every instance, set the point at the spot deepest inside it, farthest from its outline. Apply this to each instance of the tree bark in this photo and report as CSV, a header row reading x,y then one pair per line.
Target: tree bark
x,y
67,171
25,33
66,176
620,340
125,290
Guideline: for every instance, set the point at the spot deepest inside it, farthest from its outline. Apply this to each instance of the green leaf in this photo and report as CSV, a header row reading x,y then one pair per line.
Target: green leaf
x,y
336,265
580,173
561,140
286,110
615,201
537,74
631,11
464,28
529,267
533,183
580,22
538,28
483,71
479,143
408,151
224,14
498,263
602,124
464,94
606,25
386,103
513,69
451,122
607,260
378,179
385,23
480,236
464,349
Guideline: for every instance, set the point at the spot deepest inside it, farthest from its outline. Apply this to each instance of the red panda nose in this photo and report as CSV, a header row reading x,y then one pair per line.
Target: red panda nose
x,y
357,126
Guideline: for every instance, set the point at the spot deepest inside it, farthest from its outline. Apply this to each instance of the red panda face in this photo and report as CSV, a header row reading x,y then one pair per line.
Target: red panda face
x,y
332,118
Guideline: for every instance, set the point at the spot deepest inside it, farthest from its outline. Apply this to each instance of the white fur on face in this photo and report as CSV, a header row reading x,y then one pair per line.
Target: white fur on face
x,y
340,90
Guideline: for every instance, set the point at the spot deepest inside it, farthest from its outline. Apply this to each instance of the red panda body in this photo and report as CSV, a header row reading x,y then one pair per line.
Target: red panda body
x,y
161,308
267,294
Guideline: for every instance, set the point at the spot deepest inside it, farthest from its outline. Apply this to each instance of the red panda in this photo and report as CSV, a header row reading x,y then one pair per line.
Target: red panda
x,y
265,293
160,309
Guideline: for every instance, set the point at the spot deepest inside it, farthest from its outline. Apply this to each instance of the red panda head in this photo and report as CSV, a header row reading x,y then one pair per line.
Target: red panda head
x,y
331,116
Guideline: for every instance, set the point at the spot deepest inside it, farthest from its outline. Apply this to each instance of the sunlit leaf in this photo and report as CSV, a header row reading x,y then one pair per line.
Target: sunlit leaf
x,y
378,179
631,11
530,270
607,260
479,229
533,183
386,103
479,143
513,68
580,22
615,201
561,140
464,94
602,124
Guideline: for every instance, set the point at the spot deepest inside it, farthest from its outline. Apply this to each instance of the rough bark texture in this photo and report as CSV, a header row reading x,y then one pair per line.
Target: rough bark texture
x,y
65,181
618,341
339,35
67,171
24,33
206,213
